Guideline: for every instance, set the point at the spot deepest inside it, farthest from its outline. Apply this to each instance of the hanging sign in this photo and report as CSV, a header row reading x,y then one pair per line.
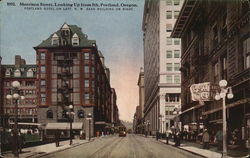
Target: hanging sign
x,y
203,91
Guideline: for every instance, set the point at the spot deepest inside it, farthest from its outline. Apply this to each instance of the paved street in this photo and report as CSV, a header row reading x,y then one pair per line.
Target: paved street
x,y
132,146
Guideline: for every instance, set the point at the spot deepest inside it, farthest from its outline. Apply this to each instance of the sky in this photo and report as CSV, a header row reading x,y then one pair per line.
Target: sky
x,y
118,35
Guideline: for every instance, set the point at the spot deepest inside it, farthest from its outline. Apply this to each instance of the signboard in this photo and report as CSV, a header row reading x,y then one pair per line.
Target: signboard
x,y
203,91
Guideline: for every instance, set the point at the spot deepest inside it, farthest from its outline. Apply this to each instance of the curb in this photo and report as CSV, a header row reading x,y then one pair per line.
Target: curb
x,y
45,154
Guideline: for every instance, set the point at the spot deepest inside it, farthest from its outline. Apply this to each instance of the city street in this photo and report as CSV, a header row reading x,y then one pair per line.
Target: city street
x,y
132,146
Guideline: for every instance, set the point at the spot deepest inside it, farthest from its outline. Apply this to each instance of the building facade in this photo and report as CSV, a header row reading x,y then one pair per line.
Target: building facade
x,y
71,71
26,75
161,64
216,46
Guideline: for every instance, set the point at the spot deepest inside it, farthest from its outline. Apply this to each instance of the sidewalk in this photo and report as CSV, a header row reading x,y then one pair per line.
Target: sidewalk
x,y
197,149
45,149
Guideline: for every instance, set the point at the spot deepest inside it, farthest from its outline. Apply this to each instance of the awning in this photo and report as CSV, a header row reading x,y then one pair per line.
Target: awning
x,y
64,126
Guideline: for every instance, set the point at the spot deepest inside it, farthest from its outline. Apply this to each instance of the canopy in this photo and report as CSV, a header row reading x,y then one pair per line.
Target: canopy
x,y
64,126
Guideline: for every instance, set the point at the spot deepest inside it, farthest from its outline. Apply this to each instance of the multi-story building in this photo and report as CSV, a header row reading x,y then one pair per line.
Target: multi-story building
x,y
140,114
114,109
71,71
216,45
26,75
161,63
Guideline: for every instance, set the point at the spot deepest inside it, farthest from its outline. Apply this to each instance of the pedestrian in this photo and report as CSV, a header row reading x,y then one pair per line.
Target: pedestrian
x,y
177,139
219,139
57,137
205,139
167,136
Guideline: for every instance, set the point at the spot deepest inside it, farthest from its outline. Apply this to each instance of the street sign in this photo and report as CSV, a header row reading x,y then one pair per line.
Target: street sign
x,y
204,91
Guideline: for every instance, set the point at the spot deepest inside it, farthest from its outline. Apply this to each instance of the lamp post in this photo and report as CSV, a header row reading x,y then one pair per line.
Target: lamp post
x,y
224,91
15,96
89,117
71,114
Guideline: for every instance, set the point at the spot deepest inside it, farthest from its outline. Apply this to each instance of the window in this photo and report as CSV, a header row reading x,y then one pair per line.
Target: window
x,y
42,56
86,83
86,98
93,69
246,53
17,73
169,14
176,2
43,98
55,40
43,83
75,40
30,73
169,66
93,84
86,68
216,72
7,73
215,34
169,54
173,97
169,27
169,78
176,41
86,56
176,66
168,2
49,114
176,53
43,69
177,79
224,67
176,14
169,41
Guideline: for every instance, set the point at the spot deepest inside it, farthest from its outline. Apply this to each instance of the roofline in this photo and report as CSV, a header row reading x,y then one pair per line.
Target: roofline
x,y
187,9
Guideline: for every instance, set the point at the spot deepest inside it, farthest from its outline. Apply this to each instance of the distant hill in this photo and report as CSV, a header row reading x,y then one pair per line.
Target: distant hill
x,y
127,124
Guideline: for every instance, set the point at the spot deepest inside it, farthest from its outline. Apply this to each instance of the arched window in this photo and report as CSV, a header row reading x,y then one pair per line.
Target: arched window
x,y
17,73
30,73
49,114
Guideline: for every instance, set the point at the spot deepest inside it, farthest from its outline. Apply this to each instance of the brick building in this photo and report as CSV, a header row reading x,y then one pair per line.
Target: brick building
x,y
26,75
71,71
216,45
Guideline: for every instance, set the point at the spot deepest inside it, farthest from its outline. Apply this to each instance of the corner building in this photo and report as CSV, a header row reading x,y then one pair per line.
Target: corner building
x,y
71,71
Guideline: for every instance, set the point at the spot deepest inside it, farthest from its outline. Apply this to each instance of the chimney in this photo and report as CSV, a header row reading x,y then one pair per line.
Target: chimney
x,y
17,61
23,62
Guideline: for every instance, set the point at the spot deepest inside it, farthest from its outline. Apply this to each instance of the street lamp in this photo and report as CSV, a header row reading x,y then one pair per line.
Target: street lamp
x,y
224,91
89,117
71,114
14,95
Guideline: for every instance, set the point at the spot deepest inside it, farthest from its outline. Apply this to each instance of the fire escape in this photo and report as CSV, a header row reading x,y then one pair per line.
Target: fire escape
x,y
65,89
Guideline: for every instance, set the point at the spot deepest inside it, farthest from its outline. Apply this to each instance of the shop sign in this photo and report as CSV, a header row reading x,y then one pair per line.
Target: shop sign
x,y
203,91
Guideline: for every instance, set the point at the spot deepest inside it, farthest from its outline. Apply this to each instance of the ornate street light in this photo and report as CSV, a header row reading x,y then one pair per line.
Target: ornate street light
x,y
71,114
224,91
15,96
89,117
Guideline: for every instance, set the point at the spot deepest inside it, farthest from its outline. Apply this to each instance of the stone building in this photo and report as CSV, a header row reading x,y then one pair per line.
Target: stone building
x,y
161,63
71,71
215,45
